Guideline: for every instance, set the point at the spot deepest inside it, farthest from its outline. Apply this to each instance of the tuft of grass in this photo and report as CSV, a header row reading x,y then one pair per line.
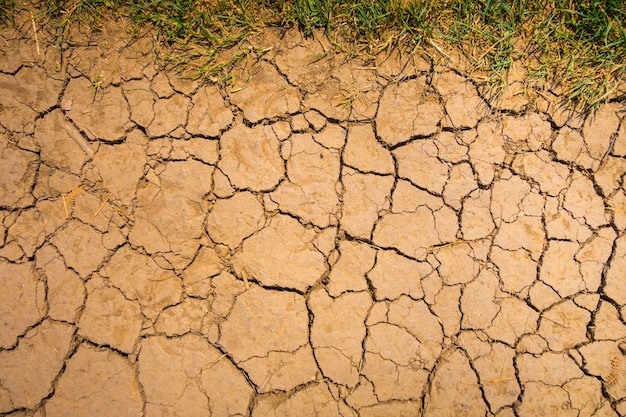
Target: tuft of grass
x,y
7,9
575,48
219,24
583,43
196,34
203,38
370,21
91,12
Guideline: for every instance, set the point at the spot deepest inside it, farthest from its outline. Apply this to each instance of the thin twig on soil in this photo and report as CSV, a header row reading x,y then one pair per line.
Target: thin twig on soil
x,y
32,19
244,275
610,149
245,84
102,205
439,49
78,138
67,213
490,381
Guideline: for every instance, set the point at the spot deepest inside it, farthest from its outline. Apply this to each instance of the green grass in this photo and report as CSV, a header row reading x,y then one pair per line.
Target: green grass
x,y
577,47
7,8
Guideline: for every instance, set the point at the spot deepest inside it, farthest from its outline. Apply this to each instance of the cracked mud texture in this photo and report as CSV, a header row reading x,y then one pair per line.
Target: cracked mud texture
x,y
170,248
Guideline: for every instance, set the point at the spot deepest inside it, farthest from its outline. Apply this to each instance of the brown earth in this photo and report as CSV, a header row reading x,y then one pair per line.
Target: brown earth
x,y
175,249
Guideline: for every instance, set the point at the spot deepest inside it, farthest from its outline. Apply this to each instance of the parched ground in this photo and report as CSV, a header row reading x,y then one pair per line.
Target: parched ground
x,y
323,238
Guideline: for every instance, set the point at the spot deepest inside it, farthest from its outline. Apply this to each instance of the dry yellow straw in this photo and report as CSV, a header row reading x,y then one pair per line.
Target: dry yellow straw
x,y
102,205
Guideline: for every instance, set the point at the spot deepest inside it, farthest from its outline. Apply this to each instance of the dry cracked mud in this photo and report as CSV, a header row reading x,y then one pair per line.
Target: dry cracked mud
x,y
323,239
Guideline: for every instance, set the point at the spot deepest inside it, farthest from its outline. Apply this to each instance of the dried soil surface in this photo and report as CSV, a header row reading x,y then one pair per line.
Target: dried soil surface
x,y
320,239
